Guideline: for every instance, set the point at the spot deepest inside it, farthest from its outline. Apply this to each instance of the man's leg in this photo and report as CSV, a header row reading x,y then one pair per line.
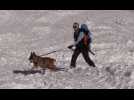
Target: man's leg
x,y
74,57
87,58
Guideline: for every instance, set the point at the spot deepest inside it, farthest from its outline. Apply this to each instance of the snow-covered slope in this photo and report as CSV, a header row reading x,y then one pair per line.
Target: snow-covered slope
x,y
43,31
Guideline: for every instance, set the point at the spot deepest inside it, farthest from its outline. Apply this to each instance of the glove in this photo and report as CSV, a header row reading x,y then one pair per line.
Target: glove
x,y
70,46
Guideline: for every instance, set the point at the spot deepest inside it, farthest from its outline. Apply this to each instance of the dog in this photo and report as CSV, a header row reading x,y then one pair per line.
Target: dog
x,y
42,62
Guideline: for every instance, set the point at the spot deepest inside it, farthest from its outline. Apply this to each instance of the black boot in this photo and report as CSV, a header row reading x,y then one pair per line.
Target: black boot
x,y
72,66
93,65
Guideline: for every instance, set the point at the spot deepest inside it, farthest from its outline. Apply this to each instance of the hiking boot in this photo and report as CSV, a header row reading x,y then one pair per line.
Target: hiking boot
x,y
72,66
93,65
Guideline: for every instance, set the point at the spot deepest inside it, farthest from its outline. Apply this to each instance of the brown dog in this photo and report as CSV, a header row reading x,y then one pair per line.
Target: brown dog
x,y
42,62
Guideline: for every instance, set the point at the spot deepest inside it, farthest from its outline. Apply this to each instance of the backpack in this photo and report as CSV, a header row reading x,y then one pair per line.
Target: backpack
x,y
87,34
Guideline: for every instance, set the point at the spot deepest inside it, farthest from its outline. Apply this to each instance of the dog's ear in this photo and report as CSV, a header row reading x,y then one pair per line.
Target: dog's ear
x,y
31,53
34,53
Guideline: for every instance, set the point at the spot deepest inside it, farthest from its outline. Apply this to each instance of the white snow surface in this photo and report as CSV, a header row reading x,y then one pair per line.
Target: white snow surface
x,y
42,31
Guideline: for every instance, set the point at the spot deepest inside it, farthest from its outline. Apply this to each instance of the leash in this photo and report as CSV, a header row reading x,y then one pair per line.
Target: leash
x,y
62,50
88,50
52,52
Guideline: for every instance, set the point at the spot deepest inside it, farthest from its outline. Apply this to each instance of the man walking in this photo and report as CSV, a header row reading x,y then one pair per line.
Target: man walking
x,y
82,41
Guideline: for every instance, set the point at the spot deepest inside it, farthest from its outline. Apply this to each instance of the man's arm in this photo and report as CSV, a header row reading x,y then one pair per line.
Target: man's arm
x,y
79,38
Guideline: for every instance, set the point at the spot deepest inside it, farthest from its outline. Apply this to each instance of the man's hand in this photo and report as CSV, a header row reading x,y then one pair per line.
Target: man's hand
x,y
70,46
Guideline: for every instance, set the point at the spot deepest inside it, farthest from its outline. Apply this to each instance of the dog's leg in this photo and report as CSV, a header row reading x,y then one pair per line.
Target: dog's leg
x,y
32,68
43,71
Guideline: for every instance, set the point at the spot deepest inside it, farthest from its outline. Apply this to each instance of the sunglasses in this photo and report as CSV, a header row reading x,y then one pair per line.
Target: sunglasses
x,y
75,27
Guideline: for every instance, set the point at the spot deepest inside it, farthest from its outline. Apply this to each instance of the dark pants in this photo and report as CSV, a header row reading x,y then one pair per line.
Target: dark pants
x,y
85,55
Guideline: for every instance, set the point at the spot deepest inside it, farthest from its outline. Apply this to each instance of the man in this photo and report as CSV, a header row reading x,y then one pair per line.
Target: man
x,y
82,44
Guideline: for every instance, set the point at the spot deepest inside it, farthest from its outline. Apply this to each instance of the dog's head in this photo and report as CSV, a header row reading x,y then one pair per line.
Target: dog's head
x,y
32,56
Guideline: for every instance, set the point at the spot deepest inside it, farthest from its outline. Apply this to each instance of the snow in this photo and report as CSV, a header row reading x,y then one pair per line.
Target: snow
x,y
44,31
3,61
